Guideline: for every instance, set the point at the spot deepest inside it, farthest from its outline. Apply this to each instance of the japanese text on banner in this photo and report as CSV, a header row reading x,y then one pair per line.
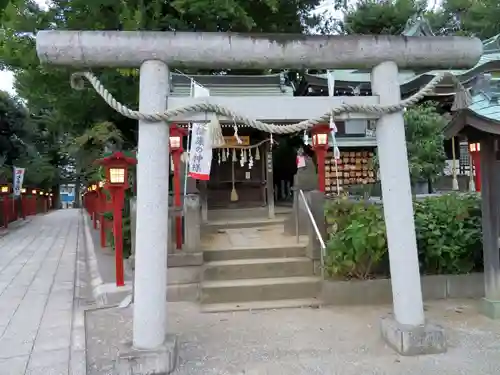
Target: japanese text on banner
x,y
200,155
18,181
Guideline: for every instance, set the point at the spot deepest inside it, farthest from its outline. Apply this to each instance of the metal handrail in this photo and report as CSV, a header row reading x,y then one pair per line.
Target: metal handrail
x,y
314,224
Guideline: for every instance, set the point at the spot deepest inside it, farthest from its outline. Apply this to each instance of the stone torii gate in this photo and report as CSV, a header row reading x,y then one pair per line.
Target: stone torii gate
x,y
156,52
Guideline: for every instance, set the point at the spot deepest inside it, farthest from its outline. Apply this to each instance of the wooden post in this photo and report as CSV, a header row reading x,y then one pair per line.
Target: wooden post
x,y
176,156
270,180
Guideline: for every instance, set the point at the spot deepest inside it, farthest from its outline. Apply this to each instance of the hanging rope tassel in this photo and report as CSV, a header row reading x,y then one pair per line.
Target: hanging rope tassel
x,y
257,154
462,98
234,194
472,183
215,129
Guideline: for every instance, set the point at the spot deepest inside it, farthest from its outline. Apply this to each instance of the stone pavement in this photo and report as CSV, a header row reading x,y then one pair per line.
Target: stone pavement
x,y
37,290
324,341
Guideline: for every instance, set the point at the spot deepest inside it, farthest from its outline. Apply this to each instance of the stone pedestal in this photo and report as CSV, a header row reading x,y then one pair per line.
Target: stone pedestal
x,y
192,223
409,340
306,179
161,360
490,308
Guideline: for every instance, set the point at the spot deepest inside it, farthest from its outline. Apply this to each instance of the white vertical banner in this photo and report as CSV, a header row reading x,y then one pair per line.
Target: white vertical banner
x,y
200,151
18,181
333,128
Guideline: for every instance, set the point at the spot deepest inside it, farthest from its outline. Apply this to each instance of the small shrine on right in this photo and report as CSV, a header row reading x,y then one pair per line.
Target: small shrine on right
x,y
480,125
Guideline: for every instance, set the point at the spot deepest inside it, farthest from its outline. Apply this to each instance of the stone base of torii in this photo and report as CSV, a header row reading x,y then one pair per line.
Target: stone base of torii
x,y
152,350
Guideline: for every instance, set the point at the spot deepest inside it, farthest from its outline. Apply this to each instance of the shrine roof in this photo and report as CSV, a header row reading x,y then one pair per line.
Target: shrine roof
x,y
483,115
233,85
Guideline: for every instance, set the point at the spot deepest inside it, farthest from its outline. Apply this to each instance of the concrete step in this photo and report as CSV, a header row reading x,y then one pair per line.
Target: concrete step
x,y
262,305
268,289
250,222
255,212
279,251
257,268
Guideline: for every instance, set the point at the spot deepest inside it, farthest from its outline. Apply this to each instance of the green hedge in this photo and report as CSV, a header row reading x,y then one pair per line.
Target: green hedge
x,y
448,230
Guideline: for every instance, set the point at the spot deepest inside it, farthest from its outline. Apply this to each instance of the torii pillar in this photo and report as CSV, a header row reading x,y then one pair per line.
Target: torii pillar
x,y
152,351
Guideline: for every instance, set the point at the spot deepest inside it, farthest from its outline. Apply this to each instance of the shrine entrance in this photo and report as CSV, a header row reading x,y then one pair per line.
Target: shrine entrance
x,y
239,176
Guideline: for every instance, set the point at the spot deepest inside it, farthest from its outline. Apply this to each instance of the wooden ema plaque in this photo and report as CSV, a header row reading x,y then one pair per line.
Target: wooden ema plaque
x,y
354,168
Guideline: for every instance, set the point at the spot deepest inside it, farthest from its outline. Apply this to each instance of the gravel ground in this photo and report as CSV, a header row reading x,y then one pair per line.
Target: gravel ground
x,y
303,341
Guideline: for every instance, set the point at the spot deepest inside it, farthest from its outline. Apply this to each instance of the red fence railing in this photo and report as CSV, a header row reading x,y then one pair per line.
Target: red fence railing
x,y
27,204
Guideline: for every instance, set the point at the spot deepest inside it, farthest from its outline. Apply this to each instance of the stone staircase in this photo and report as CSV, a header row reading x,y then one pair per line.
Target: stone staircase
x,y
254,265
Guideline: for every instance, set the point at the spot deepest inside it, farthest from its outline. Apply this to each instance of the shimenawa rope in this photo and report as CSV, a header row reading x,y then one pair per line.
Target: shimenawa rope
x,y
462,100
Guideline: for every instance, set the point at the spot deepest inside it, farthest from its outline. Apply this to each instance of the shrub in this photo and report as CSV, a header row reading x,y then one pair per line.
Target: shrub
x,y
357,240
449,234
448,231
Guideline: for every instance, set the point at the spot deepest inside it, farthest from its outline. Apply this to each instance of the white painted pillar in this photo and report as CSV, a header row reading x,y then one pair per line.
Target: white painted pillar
x,y
150,292
397,199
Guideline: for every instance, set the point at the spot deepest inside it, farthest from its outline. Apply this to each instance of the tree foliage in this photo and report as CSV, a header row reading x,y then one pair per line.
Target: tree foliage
x,y
25,142
424,142
75,115
452,17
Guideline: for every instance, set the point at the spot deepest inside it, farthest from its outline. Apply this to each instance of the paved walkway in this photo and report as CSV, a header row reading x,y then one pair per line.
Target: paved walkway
x,y
37,289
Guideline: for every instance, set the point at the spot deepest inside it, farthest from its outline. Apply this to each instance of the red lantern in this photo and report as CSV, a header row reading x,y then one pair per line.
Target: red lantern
x,y
320,146
116,183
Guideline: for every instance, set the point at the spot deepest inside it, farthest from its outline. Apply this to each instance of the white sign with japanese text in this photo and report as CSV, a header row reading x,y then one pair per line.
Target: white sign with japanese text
x,y
200,155
18,181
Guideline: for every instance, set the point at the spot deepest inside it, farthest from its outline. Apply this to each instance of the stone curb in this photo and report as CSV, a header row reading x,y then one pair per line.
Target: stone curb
x,y
104,294
379,291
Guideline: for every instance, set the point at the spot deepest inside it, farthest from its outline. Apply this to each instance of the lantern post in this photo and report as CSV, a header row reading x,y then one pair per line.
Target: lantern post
x,y
5,192
320,147
33,200
95,204
475,153
102,208
176,148
116,167
43,200
22,199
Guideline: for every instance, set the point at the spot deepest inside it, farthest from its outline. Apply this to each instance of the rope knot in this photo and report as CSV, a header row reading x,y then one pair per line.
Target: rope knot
x,y
462,98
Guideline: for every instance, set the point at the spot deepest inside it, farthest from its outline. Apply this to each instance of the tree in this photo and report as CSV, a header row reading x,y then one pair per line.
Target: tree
x,y
24,143
379,17
453,17
45,89
424,142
